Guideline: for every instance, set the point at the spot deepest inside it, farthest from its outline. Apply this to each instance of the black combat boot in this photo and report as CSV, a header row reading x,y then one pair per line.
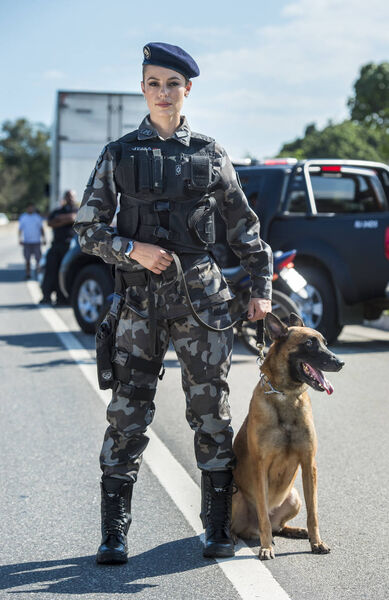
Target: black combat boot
x,y
216,501
115,520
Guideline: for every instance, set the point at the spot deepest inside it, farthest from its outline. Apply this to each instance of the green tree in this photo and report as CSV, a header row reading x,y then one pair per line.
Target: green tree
x,y
365,135
370,103
24,166
343,140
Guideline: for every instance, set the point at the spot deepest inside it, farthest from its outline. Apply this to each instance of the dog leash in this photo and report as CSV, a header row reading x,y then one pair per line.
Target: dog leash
x,y
260,343
261,357
260,329
196,316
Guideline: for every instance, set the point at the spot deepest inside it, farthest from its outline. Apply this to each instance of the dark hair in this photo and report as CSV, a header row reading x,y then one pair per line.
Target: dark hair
x,y
143,75
69,196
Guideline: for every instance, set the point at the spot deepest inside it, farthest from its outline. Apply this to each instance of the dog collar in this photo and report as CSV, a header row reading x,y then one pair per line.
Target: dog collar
x,y
266,381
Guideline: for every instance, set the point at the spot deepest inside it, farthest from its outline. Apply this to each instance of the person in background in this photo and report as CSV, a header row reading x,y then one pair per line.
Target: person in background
x,y
61,220
31,235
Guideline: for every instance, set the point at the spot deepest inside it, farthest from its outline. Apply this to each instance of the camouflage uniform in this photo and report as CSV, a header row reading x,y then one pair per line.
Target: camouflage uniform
x,y
205,356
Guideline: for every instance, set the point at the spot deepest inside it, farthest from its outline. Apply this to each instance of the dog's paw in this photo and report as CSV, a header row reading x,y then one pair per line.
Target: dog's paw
x,y
266,553
320,548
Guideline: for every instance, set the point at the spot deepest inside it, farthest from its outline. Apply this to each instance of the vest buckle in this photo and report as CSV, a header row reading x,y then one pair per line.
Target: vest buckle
x,y
161,205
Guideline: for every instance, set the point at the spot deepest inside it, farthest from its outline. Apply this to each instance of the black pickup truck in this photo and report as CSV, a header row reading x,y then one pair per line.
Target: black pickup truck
x,y
333,212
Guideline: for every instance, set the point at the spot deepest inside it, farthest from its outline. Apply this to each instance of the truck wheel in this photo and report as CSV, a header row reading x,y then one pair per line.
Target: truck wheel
x,y
282,306
319,310
89,292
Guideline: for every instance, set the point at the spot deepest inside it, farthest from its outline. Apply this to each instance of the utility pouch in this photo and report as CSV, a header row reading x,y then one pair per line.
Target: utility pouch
x,y
144,171
105,340
201,221
157,165
200,172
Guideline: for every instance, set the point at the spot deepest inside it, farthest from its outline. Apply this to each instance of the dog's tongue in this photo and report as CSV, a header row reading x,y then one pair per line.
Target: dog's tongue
x,y
320,377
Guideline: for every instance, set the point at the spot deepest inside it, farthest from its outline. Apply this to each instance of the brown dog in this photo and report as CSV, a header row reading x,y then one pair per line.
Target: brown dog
x,y
278,435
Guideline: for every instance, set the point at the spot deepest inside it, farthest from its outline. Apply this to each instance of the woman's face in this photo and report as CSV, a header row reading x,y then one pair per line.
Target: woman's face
x,y
164,91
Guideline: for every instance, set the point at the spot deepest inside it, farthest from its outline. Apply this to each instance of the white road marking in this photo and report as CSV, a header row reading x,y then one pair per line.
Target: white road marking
x,y
251,579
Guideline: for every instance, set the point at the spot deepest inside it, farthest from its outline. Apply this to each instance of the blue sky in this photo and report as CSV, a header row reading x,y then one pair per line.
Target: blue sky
x,y
267,68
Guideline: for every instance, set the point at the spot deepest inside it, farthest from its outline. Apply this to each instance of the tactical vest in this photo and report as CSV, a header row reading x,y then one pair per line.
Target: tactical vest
x,y
165,193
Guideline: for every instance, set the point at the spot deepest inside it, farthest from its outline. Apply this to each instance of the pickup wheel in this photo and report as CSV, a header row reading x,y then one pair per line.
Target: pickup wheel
x,y
90,290
319,310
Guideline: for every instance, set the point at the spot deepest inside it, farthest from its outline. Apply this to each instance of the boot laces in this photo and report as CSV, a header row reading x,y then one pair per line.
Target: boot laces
x,y
115,514
218,507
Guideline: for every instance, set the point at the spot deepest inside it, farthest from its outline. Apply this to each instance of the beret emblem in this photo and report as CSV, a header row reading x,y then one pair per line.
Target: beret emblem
x,y
147,52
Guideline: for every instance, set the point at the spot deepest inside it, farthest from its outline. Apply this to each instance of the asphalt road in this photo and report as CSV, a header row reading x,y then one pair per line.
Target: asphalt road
x,y
52,426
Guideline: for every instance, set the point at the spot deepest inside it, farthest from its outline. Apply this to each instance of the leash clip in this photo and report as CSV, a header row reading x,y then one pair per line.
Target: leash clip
x,y
261,356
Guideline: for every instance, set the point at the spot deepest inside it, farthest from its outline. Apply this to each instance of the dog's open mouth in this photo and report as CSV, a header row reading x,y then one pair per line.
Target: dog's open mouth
x,y
316,378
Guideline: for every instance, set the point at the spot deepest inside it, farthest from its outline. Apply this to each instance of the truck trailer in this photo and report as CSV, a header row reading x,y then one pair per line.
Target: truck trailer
x,y
84,123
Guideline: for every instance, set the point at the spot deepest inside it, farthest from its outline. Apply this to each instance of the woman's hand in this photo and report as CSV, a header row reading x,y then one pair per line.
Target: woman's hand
x,y
152,257
258,307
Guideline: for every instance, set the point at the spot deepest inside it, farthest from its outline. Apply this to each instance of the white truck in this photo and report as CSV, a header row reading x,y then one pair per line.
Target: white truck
x,y
84,123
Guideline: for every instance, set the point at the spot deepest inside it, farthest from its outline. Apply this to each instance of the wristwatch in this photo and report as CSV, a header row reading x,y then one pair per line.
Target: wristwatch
x,y
129,249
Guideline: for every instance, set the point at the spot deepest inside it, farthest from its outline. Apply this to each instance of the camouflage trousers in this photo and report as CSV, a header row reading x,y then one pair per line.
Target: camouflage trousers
x,y
205,358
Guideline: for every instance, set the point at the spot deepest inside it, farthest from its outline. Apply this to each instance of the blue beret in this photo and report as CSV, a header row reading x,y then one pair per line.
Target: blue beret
x,y
170,57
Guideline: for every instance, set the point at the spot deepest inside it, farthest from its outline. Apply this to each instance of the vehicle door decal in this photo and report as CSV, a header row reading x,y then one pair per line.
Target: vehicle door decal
x,y
368,224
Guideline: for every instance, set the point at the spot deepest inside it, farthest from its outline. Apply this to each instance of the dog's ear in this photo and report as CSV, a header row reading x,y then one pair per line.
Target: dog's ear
x,y
275,328
295,320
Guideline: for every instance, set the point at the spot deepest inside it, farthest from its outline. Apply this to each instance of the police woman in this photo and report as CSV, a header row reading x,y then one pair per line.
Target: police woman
x,y
168,286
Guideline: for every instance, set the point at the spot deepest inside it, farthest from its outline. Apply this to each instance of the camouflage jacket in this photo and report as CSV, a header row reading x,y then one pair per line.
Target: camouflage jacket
x,y
205,282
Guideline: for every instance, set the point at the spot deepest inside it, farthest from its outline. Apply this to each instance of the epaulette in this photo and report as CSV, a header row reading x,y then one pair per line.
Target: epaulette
x,y
129,137
200,136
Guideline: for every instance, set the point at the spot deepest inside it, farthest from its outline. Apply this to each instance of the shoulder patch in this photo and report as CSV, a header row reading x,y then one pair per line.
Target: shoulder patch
x,y
200,136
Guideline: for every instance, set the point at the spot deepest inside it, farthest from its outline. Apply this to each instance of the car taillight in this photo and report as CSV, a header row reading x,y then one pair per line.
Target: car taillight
x,y
387,243
287,262
331,168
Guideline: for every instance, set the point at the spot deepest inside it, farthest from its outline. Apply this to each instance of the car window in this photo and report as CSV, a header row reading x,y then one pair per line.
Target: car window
x,y
383,176
333,194
340,193
297,199
344,194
